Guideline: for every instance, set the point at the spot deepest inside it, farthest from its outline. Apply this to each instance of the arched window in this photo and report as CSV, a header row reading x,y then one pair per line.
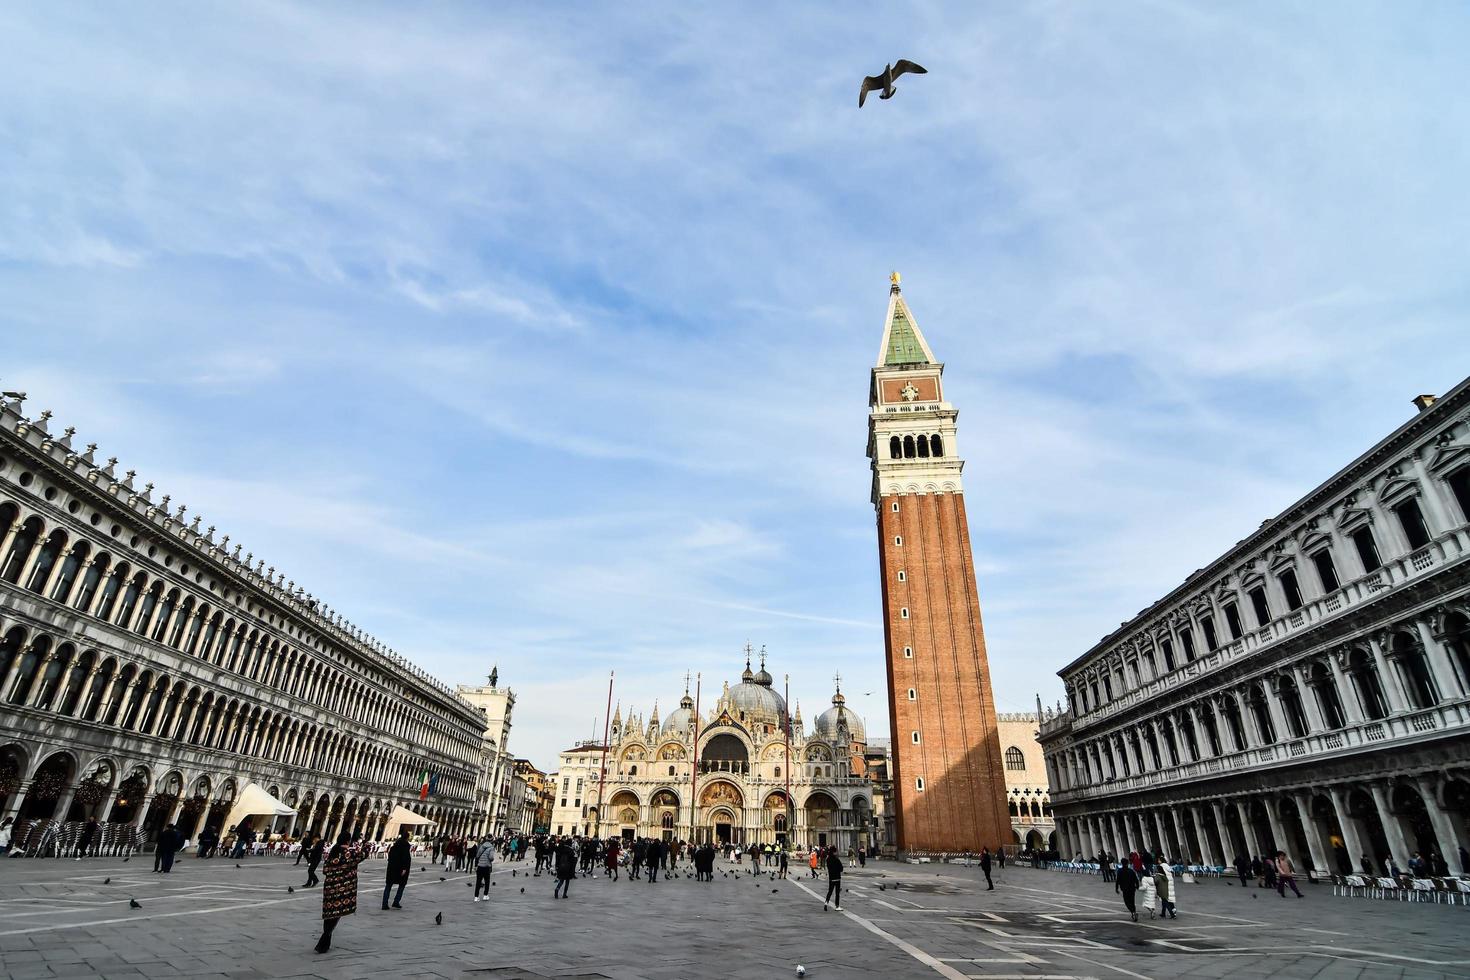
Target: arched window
x,y
671,771
50,551
1014,759
1369,686
1015,810
20,550
70,566
936,446
91,579
895,448
908,447
633,770
923,447
778,772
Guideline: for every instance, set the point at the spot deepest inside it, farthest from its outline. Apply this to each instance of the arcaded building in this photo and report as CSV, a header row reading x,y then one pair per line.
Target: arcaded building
x,y
948,782
748,782
1028,795
151,673
1308,690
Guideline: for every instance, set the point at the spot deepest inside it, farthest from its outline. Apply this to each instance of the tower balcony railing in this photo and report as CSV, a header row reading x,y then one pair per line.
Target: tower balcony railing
x,y
1408,726
1443,550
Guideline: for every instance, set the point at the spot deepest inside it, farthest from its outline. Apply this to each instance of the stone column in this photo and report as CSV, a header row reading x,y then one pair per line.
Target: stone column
x,y
1279,835
1275,710
1315,845
1351,839
1310,707
1444,829
42,665
1183,840
1392,829
1207,849
1222,832
1347,692
1388,679
1441,668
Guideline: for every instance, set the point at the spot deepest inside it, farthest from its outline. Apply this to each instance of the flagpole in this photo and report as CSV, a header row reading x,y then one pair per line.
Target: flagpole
x,y
602,779
694,769
790,815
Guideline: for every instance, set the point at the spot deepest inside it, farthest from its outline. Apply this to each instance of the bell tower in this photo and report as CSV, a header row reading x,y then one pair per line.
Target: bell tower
x,y
947,772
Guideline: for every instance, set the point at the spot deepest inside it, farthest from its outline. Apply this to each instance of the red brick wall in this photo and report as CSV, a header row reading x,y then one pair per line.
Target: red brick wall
x,y
963,805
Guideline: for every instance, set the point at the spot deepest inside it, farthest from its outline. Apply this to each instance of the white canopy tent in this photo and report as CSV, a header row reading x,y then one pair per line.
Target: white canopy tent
x,y
254,801
403,816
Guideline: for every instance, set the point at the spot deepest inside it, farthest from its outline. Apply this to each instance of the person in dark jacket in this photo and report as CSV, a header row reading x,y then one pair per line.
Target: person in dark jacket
x,y
566,869
169,842
89,836
834,880
640,853
1125,883
315,844
400,862
654,856
985,867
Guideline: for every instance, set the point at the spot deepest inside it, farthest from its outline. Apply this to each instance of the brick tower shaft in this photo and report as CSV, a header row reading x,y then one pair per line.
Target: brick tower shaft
x,y
948,776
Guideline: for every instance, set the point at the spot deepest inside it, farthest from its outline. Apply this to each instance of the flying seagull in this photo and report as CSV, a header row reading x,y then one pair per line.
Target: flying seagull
x,y
885,81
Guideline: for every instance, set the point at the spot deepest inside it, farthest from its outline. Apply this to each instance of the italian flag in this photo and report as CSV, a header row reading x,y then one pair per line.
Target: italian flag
x,y
424,786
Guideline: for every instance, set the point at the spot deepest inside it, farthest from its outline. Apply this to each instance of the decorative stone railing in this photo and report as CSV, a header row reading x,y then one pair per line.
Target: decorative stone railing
x,y
1411,725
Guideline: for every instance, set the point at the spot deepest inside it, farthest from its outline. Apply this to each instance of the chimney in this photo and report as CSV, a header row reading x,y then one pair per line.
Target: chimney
x,y
1422,402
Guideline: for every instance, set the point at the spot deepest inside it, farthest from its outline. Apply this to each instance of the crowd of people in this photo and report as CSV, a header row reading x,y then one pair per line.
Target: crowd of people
x,y
564,858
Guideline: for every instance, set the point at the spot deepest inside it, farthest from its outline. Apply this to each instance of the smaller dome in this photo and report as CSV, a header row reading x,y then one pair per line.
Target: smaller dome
x,y
678,722
826,726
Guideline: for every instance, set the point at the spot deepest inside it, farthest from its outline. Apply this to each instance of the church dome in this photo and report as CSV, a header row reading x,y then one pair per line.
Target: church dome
x,y
760,703
679,721
827,722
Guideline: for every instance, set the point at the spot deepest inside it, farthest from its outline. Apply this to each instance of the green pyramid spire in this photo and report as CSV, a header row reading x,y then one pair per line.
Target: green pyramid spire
x,y
902,341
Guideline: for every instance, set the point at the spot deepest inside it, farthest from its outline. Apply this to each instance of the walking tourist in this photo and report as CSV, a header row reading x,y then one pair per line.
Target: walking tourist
x,y
1164,882
655,853
169,842
566,869
834,880
985,867
812,860
1125,883
89,837
1285,875
610,859
484,862
400,863
313,851
339,894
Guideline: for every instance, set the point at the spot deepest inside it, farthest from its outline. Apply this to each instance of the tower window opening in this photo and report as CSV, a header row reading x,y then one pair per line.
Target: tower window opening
x,y
936,446
901,576
908,652
895,448
913,695
895,506
898,540
923,447
908,447
915,737
919,783
904,612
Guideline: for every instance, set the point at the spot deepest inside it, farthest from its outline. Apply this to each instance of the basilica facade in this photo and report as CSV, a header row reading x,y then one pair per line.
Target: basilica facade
x,y
151,674
726,773
1308,690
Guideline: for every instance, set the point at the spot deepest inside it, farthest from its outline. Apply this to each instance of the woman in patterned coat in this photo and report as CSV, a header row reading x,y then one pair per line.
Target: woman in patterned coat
x,y
339,890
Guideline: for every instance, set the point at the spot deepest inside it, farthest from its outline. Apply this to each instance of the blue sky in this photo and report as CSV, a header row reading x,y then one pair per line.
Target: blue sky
x,y
541,336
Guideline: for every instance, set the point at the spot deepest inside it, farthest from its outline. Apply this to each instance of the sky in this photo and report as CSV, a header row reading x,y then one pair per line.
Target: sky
x,y
540,335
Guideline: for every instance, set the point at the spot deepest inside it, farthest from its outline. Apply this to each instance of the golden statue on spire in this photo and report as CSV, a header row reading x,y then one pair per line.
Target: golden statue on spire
x,y
894,278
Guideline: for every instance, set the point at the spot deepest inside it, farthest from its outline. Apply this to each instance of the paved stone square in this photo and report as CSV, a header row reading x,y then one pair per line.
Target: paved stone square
x,y
210,919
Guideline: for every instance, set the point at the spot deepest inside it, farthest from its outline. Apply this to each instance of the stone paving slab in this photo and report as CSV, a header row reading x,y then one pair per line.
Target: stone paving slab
x,y
212,919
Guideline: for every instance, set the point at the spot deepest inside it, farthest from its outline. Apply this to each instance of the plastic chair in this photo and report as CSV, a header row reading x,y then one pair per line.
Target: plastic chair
x,y
1387,886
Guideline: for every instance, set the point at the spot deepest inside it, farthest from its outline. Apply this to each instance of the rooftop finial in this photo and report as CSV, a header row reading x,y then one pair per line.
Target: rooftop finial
x,y
895,279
